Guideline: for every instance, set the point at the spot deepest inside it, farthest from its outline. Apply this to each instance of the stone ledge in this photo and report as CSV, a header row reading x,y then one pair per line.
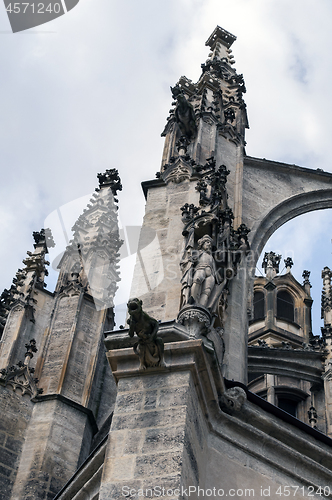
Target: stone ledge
x,y
169,331
289,362
188,355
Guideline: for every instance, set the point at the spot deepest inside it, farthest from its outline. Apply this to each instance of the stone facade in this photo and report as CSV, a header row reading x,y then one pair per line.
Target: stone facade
x,y
167,411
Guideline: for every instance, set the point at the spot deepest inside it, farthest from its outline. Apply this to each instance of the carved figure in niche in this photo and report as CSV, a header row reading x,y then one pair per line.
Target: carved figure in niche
x,y
186,265
149,347
184,114
205,273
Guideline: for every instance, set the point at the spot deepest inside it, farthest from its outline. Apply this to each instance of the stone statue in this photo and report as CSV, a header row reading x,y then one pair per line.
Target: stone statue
x,y
205,273
149,347
184,114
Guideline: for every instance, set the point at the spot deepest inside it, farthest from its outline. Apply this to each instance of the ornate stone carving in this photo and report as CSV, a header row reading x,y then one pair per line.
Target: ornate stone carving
x,y
20,377
306,276
43,237
149,347
184,114
312,415
110,178
289,263
28,280
177,173
270,264
212,248
205,272
326,309
233,399
196,319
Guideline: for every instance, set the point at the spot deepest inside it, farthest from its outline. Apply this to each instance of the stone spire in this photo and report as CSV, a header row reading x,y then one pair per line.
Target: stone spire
x,y
90,260
18,304
28,280
208,118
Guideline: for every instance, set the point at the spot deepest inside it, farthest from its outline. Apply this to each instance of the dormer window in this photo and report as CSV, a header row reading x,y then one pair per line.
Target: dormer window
x,y
285,306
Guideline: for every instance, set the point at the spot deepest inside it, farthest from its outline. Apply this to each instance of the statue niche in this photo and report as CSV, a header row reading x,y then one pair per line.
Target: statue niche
x,y
213,249
184,115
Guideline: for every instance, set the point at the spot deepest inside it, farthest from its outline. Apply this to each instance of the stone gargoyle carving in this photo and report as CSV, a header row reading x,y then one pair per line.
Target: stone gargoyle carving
x,y
149,347
233,399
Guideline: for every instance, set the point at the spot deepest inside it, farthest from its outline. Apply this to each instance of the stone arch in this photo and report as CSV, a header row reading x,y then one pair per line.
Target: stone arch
x,y
285,211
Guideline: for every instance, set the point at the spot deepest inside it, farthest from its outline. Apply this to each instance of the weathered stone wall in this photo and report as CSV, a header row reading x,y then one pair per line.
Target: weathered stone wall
x,y
15,414
157,273
157,435
51,450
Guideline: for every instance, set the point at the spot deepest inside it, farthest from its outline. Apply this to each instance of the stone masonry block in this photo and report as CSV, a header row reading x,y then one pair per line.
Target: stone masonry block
x,y
175,397
116,443
12,444
168,417
165,439
4,471
126,403
126,443
148,382
8,458
134,442
150,400
6,487
158,464
120,490
121,469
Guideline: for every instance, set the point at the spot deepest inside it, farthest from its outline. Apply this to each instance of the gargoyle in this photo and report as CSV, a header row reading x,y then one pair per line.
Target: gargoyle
x,y
149,347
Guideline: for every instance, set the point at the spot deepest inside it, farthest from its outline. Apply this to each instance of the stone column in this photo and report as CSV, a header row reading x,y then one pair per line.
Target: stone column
x,y
157,438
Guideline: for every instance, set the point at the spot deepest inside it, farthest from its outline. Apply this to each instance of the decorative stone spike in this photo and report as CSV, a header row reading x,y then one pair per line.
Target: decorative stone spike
x,y
110,178
289,264
326,311
270,264
312,415
306,282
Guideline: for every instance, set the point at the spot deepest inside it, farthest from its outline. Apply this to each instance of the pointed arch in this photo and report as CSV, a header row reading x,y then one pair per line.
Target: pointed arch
x,y
285,211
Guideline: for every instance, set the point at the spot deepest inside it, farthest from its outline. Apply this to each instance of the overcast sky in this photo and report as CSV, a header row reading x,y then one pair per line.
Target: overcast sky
x,y
90,91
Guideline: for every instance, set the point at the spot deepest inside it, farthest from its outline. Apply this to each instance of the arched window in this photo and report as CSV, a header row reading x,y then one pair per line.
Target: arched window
x,y
288,405
259,305
285,305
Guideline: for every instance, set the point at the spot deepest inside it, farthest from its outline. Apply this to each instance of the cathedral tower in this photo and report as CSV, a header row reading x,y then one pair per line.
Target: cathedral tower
x,y
183,422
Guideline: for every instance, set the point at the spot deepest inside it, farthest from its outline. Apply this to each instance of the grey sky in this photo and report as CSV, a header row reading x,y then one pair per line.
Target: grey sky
x,y
90,91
